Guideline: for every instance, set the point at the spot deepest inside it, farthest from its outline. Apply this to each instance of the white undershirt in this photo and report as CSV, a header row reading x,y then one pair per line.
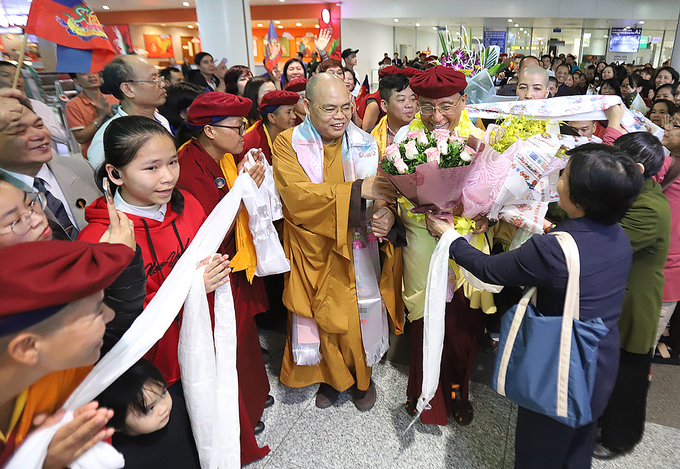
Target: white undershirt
x,y
154,212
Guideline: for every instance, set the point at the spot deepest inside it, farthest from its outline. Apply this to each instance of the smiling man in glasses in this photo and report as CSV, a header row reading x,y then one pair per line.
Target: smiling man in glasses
x,y
137,84
441,94
325,171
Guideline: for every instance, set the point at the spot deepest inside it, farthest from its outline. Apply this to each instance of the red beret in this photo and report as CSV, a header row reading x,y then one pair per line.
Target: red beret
x,y
410,71
39,278
297,84
438,82
391,70
278,98
213,107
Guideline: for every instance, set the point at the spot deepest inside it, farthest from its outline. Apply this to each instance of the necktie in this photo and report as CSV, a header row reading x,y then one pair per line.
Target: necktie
x,y
57,208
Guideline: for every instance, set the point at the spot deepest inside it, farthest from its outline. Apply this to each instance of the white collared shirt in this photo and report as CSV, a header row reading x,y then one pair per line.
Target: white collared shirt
x,y
153,212
51,185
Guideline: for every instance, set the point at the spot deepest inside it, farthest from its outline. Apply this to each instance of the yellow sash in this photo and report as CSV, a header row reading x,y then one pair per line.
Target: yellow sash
x,y
380,135
245,258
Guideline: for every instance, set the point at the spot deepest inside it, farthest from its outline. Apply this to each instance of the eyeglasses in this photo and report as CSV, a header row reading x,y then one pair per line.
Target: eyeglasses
x,y
241,128
428,110
330,111
156,80
22,225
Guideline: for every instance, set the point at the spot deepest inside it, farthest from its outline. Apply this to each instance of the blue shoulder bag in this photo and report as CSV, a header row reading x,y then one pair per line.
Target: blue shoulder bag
x,y
547,364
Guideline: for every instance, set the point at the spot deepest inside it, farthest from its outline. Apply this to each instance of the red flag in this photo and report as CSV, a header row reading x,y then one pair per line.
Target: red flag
x,y
73,25
364,91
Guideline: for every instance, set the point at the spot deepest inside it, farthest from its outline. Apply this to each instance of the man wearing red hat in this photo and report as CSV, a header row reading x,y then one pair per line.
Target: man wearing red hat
x,y
299,85
370,109
399,103
208,172
277,110
325,173
442,99
52,322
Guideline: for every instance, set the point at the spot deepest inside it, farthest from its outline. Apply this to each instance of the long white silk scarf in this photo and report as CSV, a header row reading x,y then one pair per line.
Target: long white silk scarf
x,y
154,321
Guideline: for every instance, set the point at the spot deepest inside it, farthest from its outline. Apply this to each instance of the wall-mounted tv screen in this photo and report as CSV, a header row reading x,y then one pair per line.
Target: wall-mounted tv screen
x,y
625,40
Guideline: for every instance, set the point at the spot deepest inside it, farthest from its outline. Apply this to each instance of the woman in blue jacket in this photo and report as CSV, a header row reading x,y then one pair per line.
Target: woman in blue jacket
x,y
596,190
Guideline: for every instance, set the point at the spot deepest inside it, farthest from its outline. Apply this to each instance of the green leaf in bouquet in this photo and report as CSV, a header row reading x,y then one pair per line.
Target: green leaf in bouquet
x,y
491,55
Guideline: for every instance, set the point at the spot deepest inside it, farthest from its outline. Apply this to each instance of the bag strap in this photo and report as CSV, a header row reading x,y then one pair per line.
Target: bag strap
x,y
570,313
671,175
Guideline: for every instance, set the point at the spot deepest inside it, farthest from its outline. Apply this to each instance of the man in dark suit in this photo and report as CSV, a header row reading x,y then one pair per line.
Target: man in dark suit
x,y
26,161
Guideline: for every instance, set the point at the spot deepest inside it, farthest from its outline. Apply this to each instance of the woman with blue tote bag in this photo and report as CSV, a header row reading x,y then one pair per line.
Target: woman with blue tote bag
x,y
596,189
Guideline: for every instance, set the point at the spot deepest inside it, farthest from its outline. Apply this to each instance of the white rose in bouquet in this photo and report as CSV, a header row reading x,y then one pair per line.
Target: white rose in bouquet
x,y
411,150
392,151
400,165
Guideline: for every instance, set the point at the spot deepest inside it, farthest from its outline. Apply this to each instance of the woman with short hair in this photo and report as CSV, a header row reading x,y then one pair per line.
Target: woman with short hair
x,y
596,190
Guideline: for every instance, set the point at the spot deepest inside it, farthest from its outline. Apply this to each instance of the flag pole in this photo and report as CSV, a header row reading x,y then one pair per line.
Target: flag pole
x,y
21,61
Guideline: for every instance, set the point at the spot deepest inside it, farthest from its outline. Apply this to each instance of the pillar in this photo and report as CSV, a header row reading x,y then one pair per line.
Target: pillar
x,y
675,56
224,28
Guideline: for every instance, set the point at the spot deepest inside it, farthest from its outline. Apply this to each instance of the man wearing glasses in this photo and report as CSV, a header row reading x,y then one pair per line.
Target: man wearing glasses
x,y
325,173
441,95
136,83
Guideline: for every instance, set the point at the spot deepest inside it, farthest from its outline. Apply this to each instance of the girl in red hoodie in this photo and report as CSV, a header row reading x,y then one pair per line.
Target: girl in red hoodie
x,y
142,167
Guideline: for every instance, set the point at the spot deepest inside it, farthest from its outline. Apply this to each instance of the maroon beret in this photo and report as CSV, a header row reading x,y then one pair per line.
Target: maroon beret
x,y
438,82
278,98
213,107
410,71
391,70
297,84
39,278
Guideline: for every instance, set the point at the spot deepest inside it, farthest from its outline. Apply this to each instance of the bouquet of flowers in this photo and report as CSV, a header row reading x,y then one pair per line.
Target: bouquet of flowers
x,y
431,169
464,58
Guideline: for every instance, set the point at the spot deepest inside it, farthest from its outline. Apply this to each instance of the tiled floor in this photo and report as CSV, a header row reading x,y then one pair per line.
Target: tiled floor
x,y
300,435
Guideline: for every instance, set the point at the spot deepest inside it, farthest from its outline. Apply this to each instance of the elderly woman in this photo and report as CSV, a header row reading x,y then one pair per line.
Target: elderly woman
x,y
596,189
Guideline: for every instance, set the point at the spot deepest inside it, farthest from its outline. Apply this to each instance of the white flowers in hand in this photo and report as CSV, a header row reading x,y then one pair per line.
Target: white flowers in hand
x,y
411,150
400,165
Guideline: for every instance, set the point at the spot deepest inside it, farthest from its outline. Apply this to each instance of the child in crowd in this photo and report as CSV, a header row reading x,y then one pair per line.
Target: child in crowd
x,y
147,420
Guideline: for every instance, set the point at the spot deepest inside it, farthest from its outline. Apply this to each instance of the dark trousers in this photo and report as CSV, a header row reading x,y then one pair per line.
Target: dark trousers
x,y
544,443
464,328
623,421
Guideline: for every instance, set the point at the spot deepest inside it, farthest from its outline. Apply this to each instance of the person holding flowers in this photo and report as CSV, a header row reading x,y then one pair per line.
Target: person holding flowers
x,y
442,125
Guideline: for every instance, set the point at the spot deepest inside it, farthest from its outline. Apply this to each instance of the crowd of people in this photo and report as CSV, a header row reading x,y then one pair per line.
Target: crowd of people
x,y
86,243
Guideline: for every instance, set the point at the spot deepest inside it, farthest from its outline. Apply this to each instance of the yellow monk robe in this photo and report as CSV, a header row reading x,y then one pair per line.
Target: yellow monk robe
x,y
47,395
317,240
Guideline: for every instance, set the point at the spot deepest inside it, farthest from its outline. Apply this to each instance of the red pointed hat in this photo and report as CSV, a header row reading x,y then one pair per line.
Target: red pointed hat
x,y
297,84
213,107
438,82
278,98
40,278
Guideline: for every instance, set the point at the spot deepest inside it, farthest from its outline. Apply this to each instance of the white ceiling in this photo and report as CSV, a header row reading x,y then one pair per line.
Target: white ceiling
x,y
15,7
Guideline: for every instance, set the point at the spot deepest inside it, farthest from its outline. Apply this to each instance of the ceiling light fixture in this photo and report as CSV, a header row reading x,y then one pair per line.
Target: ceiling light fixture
x,y
298,24
186,4
260,25
191,26
417,25
516,25
509,20
280,27
641,22
105,7
277,22
396,20
434,27
316,26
